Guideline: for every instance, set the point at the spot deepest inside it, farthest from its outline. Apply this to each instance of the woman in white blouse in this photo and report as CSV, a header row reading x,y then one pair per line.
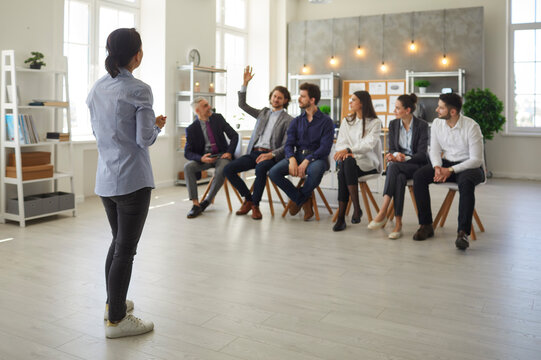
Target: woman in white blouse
x,y
356,154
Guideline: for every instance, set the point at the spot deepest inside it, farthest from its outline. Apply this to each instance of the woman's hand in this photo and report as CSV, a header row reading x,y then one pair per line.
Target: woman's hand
x,y
248,75
160,121
341,155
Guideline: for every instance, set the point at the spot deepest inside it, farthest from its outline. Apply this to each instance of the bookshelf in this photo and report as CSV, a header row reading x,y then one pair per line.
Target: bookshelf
x,y
22,200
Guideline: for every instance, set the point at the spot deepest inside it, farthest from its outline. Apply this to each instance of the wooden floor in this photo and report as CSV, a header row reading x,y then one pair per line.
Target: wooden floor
x,y
227,287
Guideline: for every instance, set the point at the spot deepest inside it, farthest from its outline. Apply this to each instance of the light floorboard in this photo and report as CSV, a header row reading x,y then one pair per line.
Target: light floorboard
x,y
227,287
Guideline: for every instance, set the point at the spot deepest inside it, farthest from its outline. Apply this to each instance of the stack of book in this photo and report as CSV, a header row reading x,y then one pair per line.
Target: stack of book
x,y
27,129
49,103
57,136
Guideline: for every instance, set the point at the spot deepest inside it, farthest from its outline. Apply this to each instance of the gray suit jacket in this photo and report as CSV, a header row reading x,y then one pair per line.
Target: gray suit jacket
x,y
419,139
279,133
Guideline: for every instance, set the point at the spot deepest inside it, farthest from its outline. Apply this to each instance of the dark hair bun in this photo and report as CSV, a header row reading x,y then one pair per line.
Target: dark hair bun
x,y
413,98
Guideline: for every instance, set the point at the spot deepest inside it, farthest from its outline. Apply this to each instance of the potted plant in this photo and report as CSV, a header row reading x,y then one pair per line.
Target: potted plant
x,y
422,85
486,109
36,61
325,109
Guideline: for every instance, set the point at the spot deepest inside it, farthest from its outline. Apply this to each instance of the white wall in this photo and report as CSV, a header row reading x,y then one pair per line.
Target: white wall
x,y
507,156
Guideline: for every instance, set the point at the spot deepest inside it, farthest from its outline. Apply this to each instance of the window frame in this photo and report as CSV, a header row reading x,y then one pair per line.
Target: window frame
x,y
511,127
93,42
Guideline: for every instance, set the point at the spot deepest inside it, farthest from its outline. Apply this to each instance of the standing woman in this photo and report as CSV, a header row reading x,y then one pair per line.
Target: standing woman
x,y
408,141
124,125
356,154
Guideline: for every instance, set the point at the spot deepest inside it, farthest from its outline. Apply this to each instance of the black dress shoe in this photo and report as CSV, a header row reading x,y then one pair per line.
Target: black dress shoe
x,y
204,204
462,240
424,232
357,219
340,225
195,212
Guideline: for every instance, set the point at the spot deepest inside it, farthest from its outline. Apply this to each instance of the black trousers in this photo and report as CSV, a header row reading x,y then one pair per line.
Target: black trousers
x,y
348,174
127,215
396,178
466,181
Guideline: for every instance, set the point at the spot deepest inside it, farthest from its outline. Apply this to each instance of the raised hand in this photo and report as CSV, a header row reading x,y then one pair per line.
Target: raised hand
x,y
248,75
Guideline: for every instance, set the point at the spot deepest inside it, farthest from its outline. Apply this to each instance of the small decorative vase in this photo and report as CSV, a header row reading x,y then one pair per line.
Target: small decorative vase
x,y
422,90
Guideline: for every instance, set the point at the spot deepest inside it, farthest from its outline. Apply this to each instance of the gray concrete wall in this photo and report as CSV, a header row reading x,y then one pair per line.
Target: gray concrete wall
x,y
463,42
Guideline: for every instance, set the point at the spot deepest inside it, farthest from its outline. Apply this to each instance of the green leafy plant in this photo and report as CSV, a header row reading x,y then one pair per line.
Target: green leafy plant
x,y
325,109
421,83
36,61
486,109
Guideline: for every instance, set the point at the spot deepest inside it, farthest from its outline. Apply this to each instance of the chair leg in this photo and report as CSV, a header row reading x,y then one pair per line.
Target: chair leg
x,y
207,189
324,200
441,211
278,193
226,188
412,194
365,201
444,217
238,194
269,196
478,221
369,192
472,233
314,205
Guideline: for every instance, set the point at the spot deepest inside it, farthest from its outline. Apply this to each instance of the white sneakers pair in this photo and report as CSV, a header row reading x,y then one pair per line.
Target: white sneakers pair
x,y
129,326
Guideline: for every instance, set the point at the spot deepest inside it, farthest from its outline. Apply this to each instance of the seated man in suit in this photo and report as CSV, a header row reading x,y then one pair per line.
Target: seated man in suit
x,y
309,141
460,140
266,146
206,147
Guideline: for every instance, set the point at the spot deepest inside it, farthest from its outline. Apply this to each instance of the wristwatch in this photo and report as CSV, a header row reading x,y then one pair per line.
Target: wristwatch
x,y
451,170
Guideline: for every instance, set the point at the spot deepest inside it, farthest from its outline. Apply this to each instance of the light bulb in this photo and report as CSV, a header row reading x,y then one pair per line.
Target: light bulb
x,y
304,69
383,67
332,61
360,51
412,45
444,60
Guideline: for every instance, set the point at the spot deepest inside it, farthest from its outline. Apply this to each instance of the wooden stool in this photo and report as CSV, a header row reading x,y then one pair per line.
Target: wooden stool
x,y
366,194
226,188
446,205
314,202
269,196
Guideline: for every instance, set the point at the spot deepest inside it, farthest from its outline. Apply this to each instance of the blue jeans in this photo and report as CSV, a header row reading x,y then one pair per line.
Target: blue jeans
x,y
245,163
314,173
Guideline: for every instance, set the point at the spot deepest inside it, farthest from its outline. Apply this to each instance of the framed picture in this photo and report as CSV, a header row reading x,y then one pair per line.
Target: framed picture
x,y
380,105
395,87
377,88
356,87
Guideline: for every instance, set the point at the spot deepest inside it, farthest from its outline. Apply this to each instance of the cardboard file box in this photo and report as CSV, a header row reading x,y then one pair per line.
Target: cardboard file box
x,y
31,158
31,172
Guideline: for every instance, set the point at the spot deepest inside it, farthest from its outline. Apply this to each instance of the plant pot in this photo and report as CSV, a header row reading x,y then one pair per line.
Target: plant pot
x,y
35,66
422,90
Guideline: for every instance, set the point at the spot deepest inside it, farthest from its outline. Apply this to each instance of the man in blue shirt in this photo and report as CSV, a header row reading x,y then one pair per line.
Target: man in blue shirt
x,y
309,141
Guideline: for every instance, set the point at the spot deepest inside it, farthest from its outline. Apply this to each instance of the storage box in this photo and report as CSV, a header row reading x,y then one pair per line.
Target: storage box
x,y
66,200
49,202
31,172
32,206
31,158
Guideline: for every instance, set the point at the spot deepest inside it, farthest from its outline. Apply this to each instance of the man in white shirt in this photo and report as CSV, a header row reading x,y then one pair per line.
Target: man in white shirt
x,y
456,154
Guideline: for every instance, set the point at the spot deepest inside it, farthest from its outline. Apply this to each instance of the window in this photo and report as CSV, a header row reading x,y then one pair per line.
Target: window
x,y
87,23
231,43
524,102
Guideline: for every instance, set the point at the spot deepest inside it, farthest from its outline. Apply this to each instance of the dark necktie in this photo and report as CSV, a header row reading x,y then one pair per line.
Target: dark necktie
x,y
212,141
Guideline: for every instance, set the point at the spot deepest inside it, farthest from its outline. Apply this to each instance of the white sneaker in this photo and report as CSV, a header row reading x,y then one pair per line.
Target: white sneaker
x,y
129,326
129,308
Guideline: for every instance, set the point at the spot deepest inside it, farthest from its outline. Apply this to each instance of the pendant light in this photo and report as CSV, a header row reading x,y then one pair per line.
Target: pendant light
x,y
412,45
305,69
360,49
333,61
383,67
444,59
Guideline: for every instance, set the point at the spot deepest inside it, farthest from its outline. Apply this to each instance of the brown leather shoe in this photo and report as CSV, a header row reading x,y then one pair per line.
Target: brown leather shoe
x,y
308,210
245,208
293,208
256,214
424,232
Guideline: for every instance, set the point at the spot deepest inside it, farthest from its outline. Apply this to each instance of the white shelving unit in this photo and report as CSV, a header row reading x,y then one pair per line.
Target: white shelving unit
x,y
459,74
184,115
329,84
42,116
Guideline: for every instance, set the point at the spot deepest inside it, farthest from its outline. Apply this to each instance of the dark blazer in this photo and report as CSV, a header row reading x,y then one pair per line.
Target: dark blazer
x,y
195,140
279,132
419,139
